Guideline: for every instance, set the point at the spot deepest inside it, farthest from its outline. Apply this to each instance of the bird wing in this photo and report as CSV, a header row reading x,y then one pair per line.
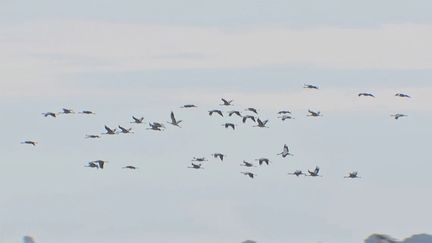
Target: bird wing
x,y
260,123
173,117
285,149
108,129
225,101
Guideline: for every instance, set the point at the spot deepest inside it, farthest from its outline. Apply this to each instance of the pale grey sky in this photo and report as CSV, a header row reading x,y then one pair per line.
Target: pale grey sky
x,y
146,59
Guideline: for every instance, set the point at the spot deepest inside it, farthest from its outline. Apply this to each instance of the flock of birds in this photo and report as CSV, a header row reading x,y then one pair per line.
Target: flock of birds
x,y
197,162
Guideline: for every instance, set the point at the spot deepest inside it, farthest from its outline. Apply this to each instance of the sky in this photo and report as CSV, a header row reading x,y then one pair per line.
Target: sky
x,y
147,58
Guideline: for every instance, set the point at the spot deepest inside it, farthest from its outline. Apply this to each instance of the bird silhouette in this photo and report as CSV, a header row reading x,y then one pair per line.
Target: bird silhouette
x,y
188,106
29,142
92,165
352,175
47,114
87,112
297,173
284,112
92,136
250,174
230,113
245,118
125,130
196,166
130,167
174,122
101,163
263,160
219,155
285,117
252,110
215,111
402,95
247,164
226,102
137,120
261,123
314,113
310,86
398,115
67,111
315,172
285,152
109,131
229,125
366,95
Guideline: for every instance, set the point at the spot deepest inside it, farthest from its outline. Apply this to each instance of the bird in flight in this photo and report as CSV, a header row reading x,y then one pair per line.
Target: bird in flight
x,y
47,114
229,125
297,173
109,131
67,111
284,112
284,117
137,120
352,175
402,95
247,164
314,113
219,155
188,106
196,166
130,167
263,160
199,159
215,111
315,172
86,112
125,130
366,95
156,126
101,163
92,136
261,123
245,118
310,86
230,113
250,174
252,110
226,102
92,165
174,122
285,152
29,142
398,115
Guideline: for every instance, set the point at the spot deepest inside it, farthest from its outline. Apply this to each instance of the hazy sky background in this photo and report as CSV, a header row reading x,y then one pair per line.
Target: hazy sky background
x,y
147,58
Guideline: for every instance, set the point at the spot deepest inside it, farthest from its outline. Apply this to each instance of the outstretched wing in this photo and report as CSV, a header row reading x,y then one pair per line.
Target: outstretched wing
x,y
285,149
260,123
109,130
173,120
